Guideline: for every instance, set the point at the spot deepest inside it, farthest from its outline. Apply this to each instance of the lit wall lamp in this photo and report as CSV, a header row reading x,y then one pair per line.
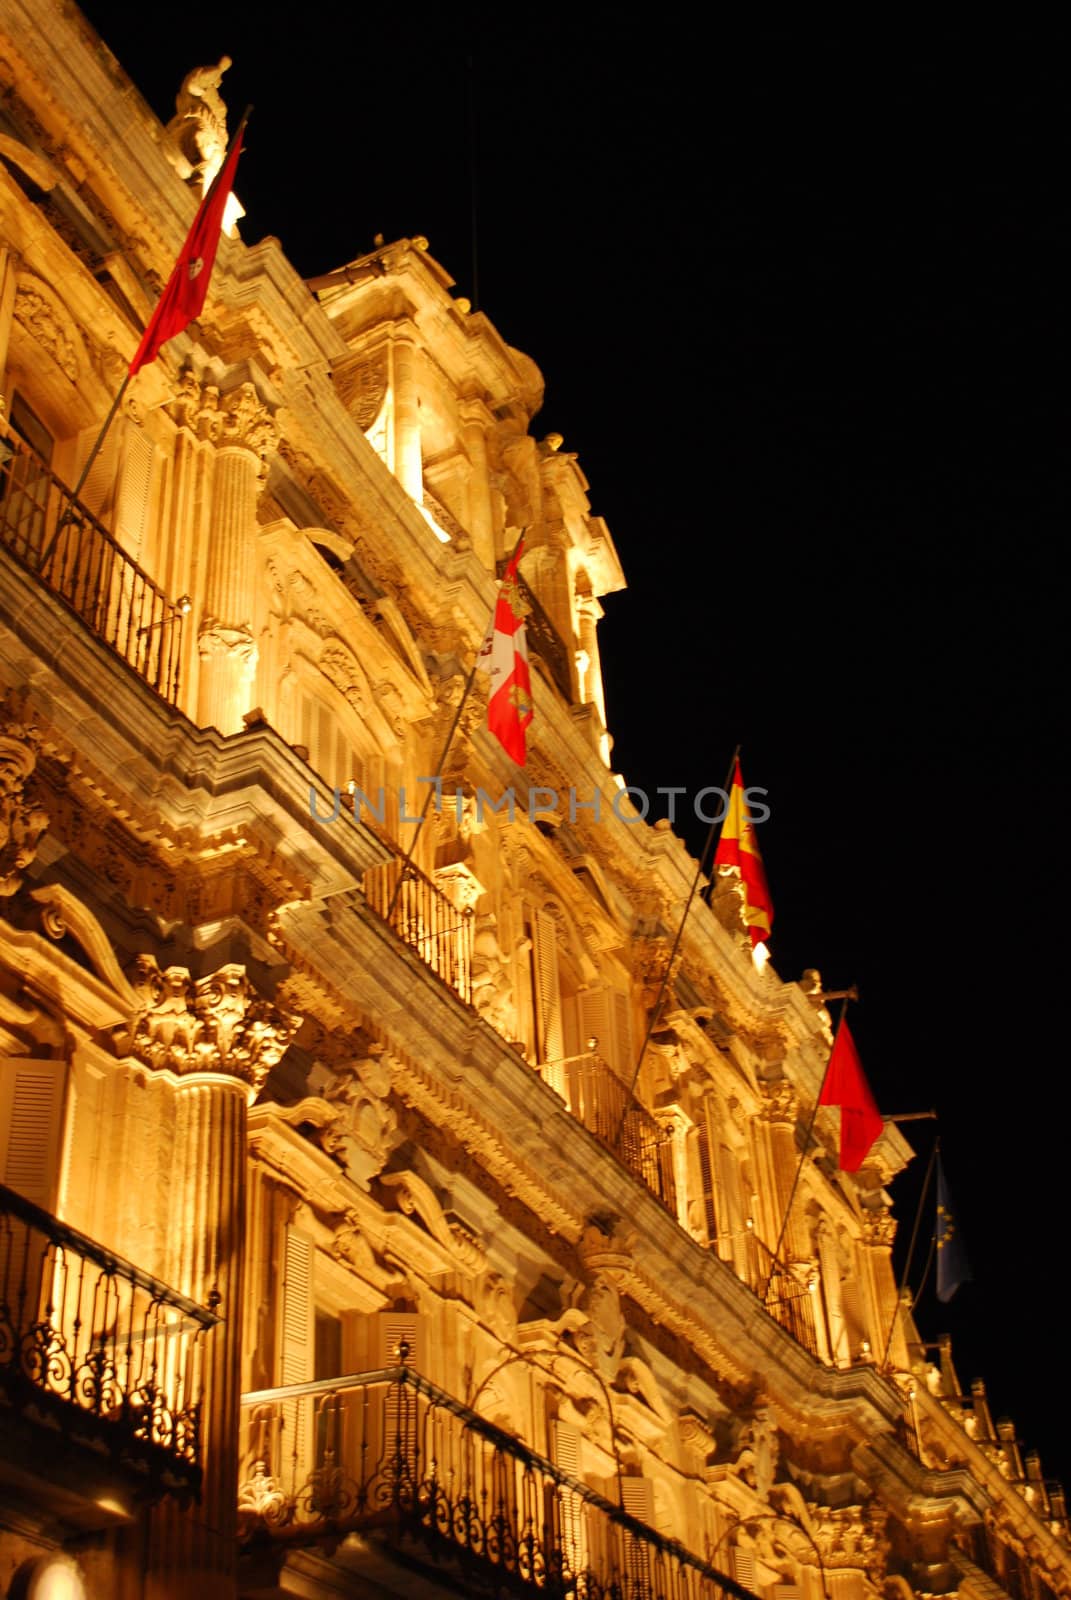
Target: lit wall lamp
x,y
181,608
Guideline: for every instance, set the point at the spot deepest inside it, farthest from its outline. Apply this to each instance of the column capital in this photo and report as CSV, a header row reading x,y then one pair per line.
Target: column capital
x,y
217,1025
231,407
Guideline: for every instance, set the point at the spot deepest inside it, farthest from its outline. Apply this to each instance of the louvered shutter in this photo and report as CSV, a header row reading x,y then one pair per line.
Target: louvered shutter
x,y
621,1016
297,1352
744,1568
98,491
31,1112
594,1016
548,990
637,1498
135,483
706,1180
395,1328
397,1450
565,1513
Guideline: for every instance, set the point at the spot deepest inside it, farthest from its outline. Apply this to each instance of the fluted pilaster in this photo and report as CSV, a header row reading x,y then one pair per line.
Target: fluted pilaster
x,y
193,1551
226,637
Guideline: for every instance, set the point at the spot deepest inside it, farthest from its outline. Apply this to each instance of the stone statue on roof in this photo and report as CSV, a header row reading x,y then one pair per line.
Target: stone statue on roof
x,y
199,126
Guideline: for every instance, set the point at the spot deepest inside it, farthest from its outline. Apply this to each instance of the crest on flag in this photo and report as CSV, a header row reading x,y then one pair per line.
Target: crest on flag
x,y
504,654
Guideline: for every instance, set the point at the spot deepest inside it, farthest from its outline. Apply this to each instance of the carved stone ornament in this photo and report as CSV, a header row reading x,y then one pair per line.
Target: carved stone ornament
x,y
780,1101
42,321
759,1453
199,127
213,1024
22,820
353,1121
362,388
247,423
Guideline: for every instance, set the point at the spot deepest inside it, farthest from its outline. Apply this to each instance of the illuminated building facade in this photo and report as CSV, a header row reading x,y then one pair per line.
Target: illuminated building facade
x,y
337,1254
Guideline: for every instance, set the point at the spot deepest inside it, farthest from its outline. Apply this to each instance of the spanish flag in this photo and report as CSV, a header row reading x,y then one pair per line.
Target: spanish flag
x,y
739,848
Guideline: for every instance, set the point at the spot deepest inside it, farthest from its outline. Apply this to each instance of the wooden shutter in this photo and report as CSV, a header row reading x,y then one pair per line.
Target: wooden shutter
x,y
548,1002
706,1180
297,1354
637,1498
594,1014
98,491
744,1568
135,483
395,1328
299,1324
566,1510
399,1414
31,1112
623,1056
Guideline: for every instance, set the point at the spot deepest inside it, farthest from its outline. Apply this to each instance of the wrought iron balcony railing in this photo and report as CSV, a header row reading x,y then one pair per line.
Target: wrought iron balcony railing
x,y
791,1295
392,1456
64,545
425,920
96,1346
597,1097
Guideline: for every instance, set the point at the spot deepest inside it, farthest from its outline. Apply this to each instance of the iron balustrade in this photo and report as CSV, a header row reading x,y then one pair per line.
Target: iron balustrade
x,y
599,1099
64,545
790,1301
82,1331
424,919
387,1453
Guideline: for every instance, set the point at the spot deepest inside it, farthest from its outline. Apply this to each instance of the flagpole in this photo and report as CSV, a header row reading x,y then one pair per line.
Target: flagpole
x,y
407,860
849,994
652,1022
903,1284
117,402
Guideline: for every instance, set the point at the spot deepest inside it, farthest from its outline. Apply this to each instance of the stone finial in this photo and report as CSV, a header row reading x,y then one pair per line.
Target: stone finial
x,y
199,126
22,820
214,1024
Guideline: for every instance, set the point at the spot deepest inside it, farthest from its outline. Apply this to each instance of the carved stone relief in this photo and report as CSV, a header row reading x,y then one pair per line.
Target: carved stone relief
x,y
22,820
214,1024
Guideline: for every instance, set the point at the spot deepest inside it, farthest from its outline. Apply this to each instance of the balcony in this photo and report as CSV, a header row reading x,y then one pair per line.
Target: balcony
x,y
432,1487
54,537
598,1098
425,920
96,1352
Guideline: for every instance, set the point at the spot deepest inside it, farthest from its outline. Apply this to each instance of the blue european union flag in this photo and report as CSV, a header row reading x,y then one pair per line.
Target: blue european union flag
x,y
952,1265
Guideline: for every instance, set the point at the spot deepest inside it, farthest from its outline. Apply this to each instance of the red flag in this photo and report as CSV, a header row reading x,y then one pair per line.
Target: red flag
x,y
509,703
184,296
739,848
860,1120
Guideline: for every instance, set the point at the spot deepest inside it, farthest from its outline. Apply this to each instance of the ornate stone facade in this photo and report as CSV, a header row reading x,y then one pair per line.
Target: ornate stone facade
x,y
355,1137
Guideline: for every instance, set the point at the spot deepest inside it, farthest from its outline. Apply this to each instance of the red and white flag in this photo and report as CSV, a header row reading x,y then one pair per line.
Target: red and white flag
x,y
505,655
184,295
845,1085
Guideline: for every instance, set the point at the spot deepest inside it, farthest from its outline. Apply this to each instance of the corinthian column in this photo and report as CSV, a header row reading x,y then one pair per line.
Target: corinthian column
x,y
226,638
216,1040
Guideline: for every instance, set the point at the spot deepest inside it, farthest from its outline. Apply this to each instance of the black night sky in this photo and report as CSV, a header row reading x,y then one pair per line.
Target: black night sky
x,y
794,293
